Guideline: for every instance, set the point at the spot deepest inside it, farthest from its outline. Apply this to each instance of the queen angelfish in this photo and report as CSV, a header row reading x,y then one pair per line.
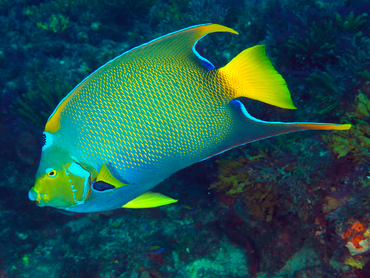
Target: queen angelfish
x,y
148,113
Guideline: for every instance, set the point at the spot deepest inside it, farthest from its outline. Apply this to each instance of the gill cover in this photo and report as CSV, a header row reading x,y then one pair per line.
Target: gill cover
x,y
62,187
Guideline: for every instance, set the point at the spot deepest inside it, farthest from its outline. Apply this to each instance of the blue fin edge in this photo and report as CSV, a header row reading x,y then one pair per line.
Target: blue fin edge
x,y
206,63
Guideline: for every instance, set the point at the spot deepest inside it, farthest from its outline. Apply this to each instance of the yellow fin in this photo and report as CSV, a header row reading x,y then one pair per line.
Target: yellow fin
x,y
105,176
149,200
252,75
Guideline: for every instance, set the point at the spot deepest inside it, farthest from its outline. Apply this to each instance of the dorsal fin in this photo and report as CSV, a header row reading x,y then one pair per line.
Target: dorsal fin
x,y
179,44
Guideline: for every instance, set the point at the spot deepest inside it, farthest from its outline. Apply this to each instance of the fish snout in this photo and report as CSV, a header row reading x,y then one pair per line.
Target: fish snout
x,y
33,195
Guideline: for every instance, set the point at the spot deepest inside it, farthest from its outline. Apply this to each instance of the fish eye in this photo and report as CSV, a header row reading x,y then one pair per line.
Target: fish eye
x,y
51,173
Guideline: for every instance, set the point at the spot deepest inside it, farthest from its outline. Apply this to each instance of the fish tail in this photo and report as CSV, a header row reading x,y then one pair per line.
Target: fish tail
x,y
252,75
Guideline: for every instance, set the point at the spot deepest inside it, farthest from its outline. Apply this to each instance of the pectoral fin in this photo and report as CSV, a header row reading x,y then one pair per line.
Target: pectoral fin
x,y
149,200
105,180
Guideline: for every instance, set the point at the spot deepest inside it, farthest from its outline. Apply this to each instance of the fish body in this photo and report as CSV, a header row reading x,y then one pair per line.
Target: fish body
x,y
148,113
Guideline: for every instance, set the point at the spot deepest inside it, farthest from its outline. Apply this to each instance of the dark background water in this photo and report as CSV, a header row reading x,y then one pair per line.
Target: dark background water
x,y
282,207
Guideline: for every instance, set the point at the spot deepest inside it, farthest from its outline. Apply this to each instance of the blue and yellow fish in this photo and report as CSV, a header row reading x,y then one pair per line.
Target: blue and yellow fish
x,y
148,113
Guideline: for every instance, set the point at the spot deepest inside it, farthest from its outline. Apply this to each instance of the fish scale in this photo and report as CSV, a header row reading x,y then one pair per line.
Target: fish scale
x,y
166,123
160,123
148,113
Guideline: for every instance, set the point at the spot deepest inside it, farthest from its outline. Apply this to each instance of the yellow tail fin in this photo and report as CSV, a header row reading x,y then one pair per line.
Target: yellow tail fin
x,y
252,75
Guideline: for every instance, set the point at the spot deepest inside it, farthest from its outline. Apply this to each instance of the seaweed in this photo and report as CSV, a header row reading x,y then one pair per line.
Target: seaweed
x,y
37,104
57,23
355,143
91,17
316,38
350,23
324,89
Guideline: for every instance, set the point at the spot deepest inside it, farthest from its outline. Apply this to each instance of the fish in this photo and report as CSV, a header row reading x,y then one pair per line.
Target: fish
x,y
155,250
188,209
150,112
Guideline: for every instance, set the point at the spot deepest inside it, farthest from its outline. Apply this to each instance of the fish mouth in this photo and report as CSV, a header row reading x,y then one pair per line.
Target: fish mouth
x,y
33,196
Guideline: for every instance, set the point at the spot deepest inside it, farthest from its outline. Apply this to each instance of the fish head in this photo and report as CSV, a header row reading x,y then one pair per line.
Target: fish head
x,y
61,181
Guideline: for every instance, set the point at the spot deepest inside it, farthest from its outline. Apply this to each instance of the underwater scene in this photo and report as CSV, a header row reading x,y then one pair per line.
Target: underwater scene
x,y
154,166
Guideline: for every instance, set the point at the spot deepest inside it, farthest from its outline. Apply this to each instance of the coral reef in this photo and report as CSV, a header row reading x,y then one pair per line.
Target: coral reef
x,y
357,263
270,181
234,179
